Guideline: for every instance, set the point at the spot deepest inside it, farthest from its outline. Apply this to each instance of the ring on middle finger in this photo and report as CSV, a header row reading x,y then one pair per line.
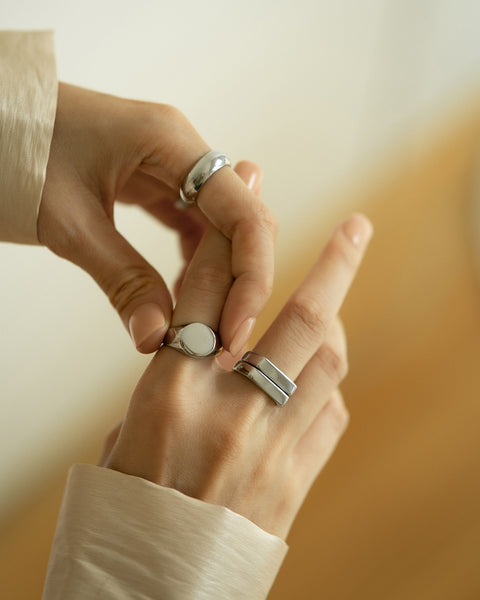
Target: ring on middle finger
x,y
270,370
267,376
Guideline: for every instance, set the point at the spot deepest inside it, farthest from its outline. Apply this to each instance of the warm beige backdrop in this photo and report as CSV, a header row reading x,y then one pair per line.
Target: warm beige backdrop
x,y
395,515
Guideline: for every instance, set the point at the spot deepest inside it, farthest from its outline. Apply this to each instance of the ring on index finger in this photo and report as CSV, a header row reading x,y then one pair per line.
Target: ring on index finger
x,y
194,339
203,169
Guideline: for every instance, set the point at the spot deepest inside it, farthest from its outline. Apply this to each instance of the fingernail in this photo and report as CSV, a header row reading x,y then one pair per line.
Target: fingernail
x,y
359,229
251,175
147,327
241,336
226,360
253,182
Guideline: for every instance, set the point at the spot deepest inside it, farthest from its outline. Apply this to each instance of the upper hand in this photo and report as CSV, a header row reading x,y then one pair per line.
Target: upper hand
x,y
105,149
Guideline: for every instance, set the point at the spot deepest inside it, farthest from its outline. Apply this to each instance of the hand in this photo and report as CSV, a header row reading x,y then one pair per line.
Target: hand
x,y
105,149
214,435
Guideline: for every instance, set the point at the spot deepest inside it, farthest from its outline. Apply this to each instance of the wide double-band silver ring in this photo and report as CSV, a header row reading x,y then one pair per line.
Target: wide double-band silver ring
x,y
262,381
270,370
268,377
204,168
194,339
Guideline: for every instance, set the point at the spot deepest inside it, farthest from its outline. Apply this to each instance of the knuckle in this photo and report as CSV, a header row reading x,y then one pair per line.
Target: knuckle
x,y
232,438
267,221
172,112
229,443
259,219
157,114
333,362
340,417
164,404
210,276
263,472
263,286
339,331
134,282
307,316
156,128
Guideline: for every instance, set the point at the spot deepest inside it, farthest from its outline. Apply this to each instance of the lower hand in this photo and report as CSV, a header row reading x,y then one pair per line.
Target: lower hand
x,y
214,435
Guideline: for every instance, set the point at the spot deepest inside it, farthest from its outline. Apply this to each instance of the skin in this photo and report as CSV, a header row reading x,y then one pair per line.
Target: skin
x,y
107,149
191,424
212,434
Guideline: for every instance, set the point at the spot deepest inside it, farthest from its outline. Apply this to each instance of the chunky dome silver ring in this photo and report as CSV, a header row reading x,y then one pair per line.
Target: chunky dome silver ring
x,y
194,339
203,169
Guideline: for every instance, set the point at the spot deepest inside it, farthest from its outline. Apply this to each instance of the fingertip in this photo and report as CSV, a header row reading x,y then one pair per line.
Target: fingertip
x,y
148,326
359,229
225,360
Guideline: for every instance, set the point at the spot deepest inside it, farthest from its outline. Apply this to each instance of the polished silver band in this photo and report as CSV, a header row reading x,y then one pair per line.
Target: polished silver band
x,y
194,339
204,168
271,371
262,381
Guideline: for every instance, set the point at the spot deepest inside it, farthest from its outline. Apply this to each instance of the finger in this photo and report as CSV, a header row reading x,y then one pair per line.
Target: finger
x,y
206,282
133,286
251,175
322,374
208,278
299,330
233,209
179,281
245,220
316,446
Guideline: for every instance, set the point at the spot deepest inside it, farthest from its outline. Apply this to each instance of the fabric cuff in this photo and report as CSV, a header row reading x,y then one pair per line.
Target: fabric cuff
x,y
27,114
120,536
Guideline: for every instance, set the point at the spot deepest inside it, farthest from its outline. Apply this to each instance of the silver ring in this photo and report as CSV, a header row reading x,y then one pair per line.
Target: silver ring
x,y
270,370
262,381
194,339
204,168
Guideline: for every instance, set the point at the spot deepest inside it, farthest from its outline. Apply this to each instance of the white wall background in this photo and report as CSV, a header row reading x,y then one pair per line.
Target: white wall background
x,y
316,92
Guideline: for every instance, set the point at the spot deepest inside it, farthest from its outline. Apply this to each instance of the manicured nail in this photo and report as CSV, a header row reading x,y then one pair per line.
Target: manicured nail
x,y
226,360
251,174
147,327
241,336
359,229
254,181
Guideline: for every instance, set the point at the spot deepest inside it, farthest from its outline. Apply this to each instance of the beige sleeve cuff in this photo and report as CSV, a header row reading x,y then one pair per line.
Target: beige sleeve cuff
x,y
28,96
121,537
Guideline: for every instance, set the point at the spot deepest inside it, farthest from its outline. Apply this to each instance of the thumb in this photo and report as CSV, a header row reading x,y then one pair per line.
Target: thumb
x,y
133,286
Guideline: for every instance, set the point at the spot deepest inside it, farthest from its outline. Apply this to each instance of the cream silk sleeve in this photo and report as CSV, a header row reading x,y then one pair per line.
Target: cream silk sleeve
x,y
117,536
28,96
121,537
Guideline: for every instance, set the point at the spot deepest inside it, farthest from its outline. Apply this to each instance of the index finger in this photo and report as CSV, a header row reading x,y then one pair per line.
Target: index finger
x,y
242,217
173,148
